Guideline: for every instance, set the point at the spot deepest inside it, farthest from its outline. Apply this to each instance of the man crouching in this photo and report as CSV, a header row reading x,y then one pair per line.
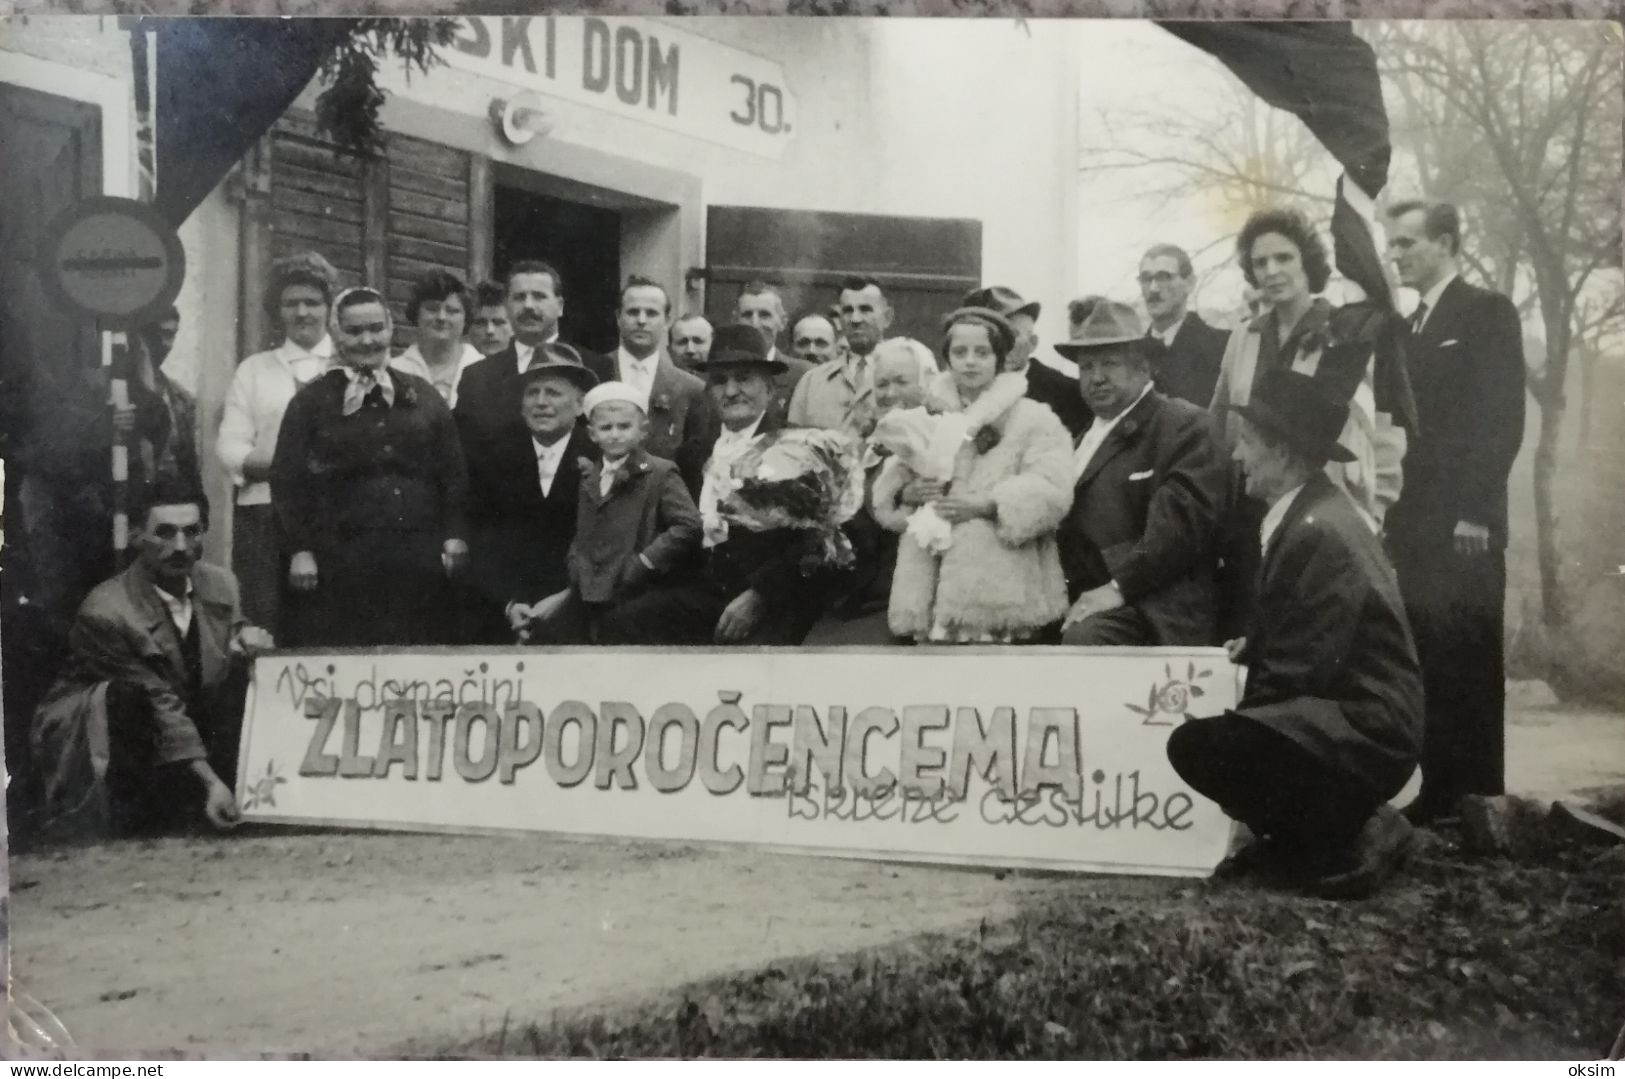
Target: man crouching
x,y
1330,723
140,732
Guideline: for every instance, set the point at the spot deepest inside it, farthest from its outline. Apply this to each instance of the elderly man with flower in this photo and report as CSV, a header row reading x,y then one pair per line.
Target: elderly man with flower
x,y
1150,487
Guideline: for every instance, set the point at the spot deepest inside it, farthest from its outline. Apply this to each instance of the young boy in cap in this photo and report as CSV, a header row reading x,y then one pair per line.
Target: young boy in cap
x,y
636,525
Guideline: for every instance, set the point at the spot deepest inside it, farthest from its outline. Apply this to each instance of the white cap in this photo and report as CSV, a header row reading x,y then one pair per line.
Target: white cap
x,y
610,391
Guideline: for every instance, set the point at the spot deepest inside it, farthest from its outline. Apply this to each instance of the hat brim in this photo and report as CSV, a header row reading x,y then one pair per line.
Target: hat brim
x,y
1071,349
741,359
584,379
1270,420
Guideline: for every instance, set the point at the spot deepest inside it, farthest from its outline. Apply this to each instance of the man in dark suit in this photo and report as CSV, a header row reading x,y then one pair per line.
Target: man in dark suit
x,y
1045,384
486,395
1448,531
1329,725
525,499
1137,546
750,589
677,408
1187,365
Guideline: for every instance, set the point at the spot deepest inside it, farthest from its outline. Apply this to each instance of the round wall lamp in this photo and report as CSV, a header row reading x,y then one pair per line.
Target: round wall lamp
x,y
520,118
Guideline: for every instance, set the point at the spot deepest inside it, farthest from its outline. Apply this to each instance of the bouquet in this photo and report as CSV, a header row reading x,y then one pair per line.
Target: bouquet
x,y
802,479
927,445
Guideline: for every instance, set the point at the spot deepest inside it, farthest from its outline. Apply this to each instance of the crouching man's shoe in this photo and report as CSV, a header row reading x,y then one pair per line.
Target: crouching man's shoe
x,y
1378,851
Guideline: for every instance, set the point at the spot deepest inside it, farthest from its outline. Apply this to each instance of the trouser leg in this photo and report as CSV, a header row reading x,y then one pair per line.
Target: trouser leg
x,y
144,797
1124,627
1271,784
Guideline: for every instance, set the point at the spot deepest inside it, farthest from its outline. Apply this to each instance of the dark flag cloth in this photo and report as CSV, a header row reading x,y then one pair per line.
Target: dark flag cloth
x,y
222,83
1326,75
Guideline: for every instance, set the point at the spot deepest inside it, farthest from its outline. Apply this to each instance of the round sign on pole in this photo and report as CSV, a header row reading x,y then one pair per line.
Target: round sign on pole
x,y
114,260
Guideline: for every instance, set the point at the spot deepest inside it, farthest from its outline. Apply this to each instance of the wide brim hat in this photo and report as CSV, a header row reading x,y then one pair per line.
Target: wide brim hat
x,y
1295,409
1006,301
740,346
1109,324
555,361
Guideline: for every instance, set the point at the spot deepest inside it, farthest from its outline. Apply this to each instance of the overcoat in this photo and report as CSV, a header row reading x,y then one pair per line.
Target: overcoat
x,y
123,633
1146,513
1331,662
374,496
1189,368
1000,577
647,512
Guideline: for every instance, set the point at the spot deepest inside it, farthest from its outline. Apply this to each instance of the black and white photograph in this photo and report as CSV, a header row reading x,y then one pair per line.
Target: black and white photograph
x,y
672,536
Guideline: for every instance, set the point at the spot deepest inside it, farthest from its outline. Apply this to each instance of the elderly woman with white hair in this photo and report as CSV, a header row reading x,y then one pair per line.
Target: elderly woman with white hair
x,y
370,489
995,577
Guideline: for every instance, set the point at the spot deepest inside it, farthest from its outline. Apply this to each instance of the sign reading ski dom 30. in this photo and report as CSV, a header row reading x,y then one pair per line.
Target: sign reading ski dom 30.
x,y
638,68
1040,757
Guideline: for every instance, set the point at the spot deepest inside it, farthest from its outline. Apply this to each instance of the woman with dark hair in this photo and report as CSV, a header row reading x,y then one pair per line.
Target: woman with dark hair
x,y
370,489
439,308
1283,258
995,577
297,299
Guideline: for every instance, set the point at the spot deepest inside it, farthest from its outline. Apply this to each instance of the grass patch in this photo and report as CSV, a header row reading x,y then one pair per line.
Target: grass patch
x,y
1462,958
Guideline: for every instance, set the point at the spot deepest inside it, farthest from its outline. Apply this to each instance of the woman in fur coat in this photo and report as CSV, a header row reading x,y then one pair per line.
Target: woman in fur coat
x,y
999,580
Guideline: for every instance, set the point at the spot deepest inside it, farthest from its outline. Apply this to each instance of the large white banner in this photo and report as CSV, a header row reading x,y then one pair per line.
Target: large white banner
x,y
650,71
1036,757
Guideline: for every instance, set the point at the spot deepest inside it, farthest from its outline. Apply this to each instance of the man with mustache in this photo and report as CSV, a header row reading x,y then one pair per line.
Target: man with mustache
x,y
143,723
1188,365
371,492
485,396
675,401
841,396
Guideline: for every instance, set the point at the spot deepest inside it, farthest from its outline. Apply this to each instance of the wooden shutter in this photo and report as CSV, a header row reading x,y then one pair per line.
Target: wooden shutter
x,y
924,264
319,198
428,217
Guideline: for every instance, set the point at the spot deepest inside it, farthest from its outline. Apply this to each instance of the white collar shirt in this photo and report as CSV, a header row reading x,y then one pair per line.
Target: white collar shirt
x,y
1167,336
729,447
549,459
607,474
1275,515
639,374
1430,299
1096,436
179,607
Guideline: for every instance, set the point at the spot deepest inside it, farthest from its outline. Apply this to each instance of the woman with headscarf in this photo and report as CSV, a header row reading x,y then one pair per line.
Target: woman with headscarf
x,y
298,298
995,575
438,308
1283,258
370,489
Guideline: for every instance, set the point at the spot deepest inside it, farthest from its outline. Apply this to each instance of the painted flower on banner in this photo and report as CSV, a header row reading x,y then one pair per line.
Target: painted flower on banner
x,y
1171,697
262,792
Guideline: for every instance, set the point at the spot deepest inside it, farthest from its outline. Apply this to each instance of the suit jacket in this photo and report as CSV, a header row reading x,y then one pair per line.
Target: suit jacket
x,y
647,513
679,410
488,395
1330,657
1048,386
1146,514
123,632
1189,368
521,539
1467,375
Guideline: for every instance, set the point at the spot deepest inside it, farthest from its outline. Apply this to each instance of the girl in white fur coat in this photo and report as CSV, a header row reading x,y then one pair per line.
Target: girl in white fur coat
x,y
1000,579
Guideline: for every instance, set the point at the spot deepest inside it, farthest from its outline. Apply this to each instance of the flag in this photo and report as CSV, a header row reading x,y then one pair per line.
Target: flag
x,y
221,84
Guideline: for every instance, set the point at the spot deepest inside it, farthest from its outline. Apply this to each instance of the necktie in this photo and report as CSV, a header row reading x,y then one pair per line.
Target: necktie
x,y
1418,317
544,470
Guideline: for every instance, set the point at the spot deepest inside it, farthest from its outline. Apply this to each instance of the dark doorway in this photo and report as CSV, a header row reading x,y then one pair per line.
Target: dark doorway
x,y
582,241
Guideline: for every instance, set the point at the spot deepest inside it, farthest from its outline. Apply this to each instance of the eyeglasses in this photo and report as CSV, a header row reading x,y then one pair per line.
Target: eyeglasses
x,y
1162,277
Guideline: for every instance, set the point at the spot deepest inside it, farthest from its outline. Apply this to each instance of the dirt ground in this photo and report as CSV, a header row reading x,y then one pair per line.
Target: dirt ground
x,y
280,941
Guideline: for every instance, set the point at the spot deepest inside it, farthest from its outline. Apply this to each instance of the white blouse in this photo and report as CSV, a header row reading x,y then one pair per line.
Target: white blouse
x,y
259,395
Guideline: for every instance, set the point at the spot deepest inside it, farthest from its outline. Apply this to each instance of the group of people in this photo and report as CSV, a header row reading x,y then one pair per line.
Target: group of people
x,y
1189,486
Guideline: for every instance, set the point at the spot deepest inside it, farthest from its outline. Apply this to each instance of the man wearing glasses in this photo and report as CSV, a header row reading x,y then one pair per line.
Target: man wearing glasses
x,y
1187,365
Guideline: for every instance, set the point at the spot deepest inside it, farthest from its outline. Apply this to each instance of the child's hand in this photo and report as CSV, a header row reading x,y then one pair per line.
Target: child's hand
x,y
920,491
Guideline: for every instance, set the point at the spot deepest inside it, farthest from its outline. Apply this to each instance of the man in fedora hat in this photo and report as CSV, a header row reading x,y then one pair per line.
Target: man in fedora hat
x,y
1329,726
1151,486
526,491
1045,384
750,589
